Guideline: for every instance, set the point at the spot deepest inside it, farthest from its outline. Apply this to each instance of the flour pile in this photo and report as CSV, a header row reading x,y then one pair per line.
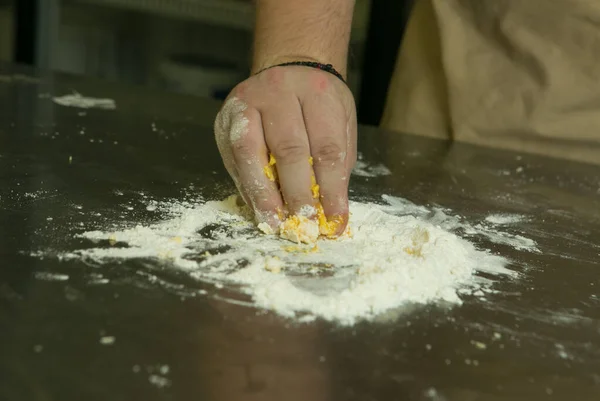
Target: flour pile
x,y
390,260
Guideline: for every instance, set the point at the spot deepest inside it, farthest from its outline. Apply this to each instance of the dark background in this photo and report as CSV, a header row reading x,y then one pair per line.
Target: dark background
x,y
198,47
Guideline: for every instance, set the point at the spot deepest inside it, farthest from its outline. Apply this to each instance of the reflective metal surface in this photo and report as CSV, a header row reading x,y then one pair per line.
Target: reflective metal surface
x,y
146,333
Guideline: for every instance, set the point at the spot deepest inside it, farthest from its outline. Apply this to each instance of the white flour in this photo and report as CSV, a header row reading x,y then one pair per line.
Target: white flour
x,y
76,100
231,121
503,219
363,169
487,228
392,259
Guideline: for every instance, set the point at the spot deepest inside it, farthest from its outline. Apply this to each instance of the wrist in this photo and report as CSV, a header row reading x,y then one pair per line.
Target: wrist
x,y
309,30
312,64
264,63
260,63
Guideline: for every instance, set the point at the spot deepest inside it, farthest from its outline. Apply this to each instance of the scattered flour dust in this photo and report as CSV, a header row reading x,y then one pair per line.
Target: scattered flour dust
x,y
364,169
77,100
503,219
392,258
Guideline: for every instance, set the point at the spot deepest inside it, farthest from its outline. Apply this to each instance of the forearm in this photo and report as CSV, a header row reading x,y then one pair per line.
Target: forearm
x,y
302,30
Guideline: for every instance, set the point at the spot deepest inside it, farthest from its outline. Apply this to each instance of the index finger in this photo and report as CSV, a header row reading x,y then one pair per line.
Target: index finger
x,y
245,151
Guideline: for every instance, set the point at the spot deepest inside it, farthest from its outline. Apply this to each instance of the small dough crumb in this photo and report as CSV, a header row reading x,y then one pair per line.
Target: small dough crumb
x,y
314,187
301,249
269,171
299,229
265,228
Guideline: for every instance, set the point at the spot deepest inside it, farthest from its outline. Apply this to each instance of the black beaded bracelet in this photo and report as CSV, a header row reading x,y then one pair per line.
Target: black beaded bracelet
x,y
313,64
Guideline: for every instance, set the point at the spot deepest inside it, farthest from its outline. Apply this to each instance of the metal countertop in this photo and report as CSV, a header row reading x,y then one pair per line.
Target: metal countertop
x,y
542,330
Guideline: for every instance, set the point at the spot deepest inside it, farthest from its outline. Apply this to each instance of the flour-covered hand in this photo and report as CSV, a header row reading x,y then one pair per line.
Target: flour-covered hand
x,y
281,133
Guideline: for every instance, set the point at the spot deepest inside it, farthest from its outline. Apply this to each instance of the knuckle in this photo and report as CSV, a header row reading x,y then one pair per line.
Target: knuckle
x,y
291,151
296,200
328,150
239,90
274,76
243,149
232,112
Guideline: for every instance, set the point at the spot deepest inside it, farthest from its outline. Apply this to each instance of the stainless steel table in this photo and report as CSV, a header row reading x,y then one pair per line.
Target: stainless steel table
x,y
170,343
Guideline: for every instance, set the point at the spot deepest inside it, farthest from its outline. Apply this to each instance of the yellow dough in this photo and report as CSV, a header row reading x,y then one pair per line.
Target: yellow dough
x,y
302,228
269,170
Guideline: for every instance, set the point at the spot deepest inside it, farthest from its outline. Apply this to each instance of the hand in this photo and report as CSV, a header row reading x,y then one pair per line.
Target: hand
x,y
306,119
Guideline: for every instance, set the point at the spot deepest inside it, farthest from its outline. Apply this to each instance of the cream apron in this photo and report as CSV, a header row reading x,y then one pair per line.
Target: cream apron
x,y
513,74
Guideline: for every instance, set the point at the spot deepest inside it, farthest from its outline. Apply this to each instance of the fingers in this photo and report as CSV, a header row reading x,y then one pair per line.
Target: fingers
x,y
287,140
240,138
332,149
